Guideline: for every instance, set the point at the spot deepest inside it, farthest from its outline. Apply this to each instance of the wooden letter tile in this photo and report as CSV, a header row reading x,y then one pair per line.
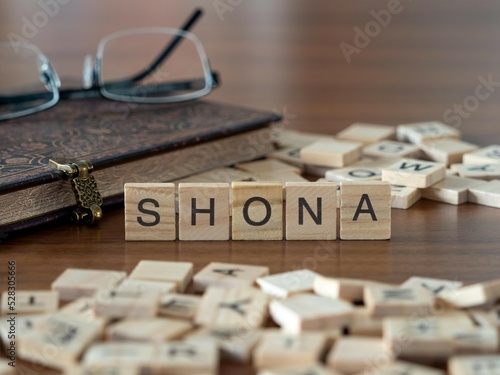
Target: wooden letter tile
x,y
487,194
288,155
179,273
203,212
242,307
359,173
30,302
310,312
366,133
117,304
365,210
451,190
101,370
343,288
277,349
486,155
74,283
489,171
257,212
483,340
6,369
162,287
416,173
351,355
192,357
152,330
421,132
183,306
309,369
150,212
386,301
473,295
311,211
123,354
403,197
405,368
435,286
228,275
474,364
282,285
446,151
363,324
332,153
392,149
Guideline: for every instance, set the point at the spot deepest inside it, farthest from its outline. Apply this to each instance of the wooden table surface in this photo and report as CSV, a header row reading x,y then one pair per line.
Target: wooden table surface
x,y
286,55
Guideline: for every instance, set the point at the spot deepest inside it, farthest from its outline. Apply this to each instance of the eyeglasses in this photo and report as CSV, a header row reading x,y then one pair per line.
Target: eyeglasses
x,y
29,83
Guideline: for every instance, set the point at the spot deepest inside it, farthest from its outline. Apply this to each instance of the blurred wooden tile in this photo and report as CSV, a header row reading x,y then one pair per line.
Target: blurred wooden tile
x,y
117,304
6,369
451,190
354,174
311,211
101,370
331,153
294,138
236,344
282,285
403,197
82,308
74,283
277,349
387,301
192,357
392,149
184,306
142,355
147,330
482,340
288,155
310,312
59,342
228,275
485,155
366,133
132,285
341,288
179,273
363,324
241,307
474,295
351,355
257,212
30,302
365,210
435,286
421,132
474,364
19,326
487,194
279,176
203,212
405,368
413,172
446,151
150,212
480,171
308,369
268,165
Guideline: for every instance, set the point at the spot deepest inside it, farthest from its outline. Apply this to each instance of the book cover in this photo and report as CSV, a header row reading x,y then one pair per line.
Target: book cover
x,y
125,142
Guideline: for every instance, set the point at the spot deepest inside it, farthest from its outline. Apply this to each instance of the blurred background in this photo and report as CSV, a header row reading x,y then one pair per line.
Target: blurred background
x,y
323,64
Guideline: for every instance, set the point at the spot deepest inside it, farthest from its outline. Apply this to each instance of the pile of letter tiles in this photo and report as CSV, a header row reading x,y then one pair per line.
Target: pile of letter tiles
x,y
163,318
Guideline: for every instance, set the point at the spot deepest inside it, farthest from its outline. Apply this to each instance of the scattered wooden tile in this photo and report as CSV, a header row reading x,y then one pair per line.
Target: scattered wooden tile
x,y
366,133
101,370
179,273
277,349
363,324
392,149
405,368
480,171
331,153
475,340
289,155
74,283
308,369
278,176
236,344
150,212
354,174
343,288
203,211
30,302
183,306
310,312
451,190
6,369
59,341
474,364
413,172
434,286
403,197
228,275
487,194
191,357
294,138
365,210
18,326
257,212
148,330
311,211
82,308
242,307
474,295
117,304
393,301
487,318
315,170
132,285
351,355
485,155
142,355
446,151
268,165
421,132
282,285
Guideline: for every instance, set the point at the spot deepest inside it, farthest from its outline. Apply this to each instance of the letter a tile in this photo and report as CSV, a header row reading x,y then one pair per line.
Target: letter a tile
x,y
365,210
257,211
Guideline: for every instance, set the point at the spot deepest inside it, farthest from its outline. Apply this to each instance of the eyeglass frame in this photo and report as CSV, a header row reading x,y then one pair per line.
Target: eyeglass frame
x,y
97,85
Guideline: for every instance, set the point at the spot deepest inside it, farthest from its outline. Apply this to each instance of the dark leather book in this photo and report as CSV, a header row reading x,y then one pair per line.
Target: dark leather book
x,y
125,142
